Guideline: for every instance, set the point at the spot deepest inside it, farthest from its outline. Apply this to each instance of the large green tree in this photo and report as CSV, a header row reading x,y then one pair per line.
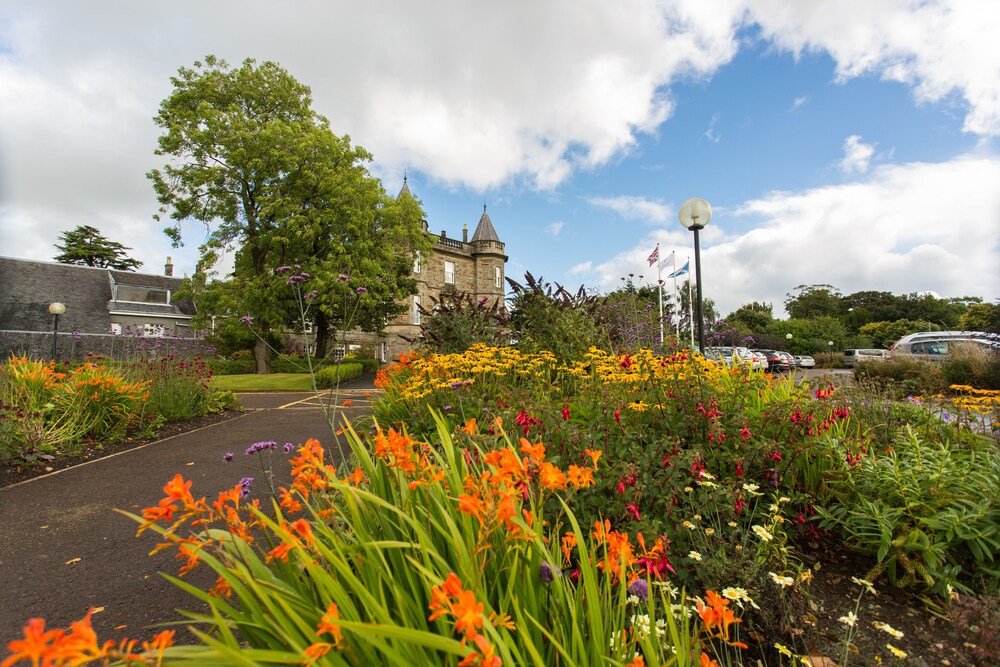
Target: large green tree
x,y
86,246
250,159
809,301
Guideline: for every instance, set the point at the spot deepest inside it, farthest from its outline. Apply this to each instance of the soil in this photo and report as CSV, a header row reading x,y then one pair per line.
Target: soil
x,y
930,635
13,474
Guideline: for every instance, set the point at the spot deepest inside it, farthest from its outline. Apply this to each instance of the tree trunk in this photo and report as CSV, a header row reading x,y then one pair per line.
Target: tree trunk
x,y
262,357
322,324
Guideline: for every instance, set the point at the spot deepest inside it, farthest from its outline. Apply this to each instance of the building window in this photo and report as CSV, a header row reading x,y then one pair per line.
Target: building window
x,y
385,351
416,262
138,294
416,310
497,277
338,352
449,273
116,328
309,327
154,330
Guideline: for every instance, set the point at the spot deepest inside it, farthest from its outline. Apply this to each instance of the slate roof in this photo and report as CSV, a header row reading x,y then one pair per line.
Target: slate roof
x,y
484,230
27,287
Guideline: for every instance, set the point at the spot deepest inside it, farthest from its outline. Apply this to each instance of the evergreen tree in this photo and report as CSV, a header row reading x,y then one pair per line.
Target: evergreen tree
x,y
86,246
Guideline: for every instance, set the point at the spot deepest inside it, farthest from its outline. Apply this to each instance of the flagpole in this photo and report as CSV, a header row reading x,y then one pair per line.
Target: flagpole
x,y
690,303
659,283
676,296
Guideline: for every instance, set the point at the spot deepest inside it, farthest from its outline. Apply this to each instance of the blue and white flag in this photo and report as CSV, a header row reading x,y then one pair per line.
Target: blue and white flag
x,y
681,271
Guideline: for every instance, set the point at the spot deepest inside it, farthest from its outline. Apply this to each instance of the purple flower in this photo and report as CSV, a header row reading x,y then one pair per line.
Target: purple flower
x,y
361,290
245,485
282,269
447,408
640,588
261,446
457,384
311,295
247,320
548,573
342,278
228,457
288,447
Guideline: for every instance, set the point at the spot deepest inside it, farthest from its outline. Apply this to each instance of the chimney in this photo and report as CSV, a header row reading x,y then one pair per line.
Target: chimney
x,y
168,270
465,233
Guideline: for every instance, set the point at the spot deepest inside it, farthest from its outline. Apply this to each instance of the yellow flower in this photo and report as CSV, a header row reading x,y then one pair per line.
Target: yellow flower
x,y
694,555
899,653
782,649
762,533
888,629
781,580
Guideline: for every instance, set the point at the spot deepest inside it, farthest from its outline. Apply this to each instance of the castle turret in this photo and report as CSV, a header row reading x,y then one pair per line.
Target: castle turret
x,y
488,255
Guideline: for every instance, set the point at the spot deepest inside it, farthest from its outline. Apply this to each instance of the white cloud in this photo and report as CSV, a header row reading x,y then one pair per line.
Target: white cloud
x,y
555,228
857,155
906,229
938,47
634,208
710,132
798,102
583,268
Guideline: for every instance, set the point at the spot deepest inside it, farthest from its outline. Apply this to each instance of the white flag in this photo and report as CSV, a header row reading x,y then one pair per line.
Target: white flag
x,y
668,260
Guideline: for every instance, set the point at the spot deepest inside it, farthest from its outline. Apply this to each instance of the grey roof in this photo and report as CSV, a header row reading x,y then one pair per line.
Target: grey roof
x,y
27,287
405,190
484,230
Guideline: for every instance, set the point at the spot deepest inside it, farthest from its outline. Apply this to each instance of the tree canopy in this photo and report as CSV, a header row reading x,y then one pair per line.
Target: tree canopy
x,y
250,159
86,246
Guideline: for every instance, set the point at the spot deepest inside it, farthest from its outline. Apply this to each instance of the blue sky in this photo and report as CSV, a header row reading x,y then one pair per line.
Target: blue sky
x,y
850,143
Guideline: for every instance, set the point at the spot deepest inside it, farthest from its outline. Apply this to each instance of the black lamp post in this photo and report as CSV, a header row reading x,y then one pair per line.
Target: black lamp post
x,y
694,215
56,309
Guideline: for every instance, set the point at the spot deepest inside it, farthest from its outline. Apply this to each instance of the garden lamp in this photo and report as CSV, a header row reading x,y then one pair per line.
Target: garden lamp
x,y
56,309
694,214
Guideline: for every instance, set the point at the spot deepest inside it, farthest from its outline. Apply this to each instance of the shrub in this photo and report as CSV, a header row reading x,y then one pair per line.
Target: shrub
x,y
903,375
331,376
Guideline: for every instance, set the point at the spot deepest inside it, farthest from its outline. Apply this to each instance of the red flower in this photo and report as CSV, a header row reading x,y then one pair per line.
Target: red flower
x,y
565,412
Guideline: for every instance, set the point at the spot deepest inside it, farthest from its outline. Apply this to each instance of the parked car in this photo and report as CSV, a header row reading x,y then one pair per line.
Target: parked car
x,y
788,357
856,356
937,345
759,360
729,355
776,361
805,361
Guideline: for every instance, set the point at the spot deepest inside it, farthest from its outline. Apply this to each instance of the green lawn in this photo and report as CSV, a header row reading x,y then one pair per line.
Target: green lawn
x,y
272,382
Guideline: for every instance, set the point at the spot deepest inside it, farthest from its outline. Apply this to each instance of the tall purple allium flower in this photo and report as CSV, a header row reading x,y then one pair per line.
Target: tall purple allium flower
x,y
361,290
228,457
548,573
245,485
640,588
247,320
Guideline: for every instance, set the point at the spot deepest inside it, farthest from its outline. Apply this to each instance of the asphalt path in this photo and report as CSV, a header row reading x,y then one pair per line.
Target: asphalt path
x,y
65,549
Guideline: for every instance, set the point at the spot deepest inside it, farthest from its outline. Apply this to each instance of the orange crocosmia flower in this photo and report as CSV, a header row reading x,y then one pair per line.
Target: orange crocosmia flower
x,y
356,477
470,427
303,529
472,505
288,501
706,661
637,662
329,624
580,478
348,403
594,454
568,544
222,589
280,552
178,489
36,645
551,477
485,656
316,651
161,641
468,614
535,451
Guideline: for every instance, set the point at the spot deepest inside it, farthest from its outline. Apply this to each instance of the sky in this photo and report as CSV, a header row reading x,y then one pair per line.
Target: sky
x,y
850,143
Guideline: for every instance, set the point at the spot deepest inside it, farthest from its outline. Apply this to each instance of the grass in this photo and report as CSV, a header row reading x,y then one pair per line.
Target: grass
x,y
270,382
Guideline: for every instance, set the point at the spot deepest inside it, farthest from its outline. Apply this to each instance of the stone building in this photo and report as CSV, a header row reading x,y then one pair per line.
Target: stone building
x,y
456,266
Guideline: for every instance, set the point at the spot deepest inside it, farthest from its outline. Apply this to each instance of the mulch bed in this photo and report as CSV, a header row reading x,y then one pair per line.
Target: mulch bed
x,y
18,473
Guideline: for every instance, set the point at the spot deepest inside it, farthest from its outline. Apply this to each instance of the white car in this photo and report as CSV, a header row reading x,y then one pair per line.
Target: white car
x,y
804,361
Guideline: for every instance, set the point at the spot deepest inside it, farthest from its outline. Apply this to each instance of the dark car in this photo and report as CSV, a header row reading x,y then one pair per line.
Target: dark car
x,y
775,361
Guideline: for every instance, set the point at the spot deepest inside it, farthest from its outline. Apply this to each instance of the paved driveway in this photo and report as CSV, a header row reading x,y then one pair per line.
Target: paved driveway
x,y
64,548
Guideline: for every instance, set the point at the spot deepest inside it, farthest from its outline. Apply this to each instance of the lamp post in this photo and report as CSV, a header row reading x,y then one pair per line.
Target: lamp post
x,y
694,214
56,309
